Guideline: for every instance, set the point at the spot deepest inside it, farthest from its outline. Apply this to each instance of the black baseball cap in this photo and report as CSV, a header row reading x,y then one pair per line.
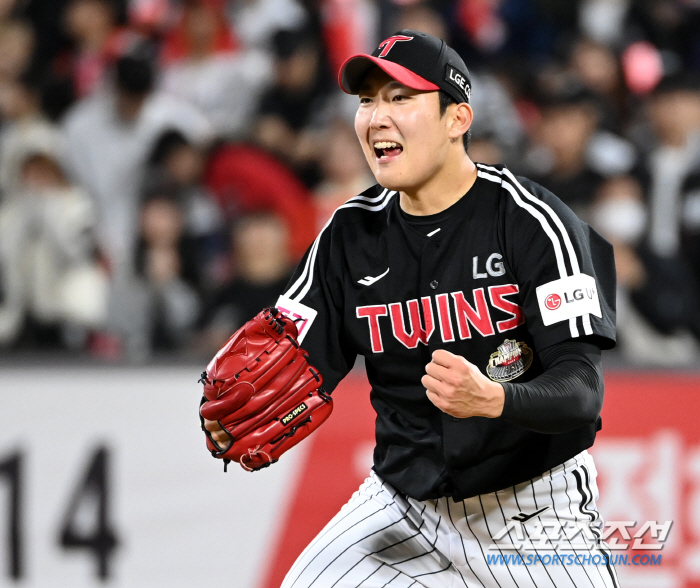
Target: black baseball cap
x,y
417,60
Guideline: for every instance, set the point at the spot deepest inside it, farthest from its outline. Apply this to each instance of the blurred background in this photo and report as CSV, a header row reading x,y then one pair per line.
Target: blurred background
x,y
163,166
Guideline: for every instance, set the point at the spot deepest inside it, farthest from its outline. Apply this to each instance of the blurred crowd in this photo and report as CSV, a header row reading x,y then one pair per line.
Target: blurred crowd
x,y
165,163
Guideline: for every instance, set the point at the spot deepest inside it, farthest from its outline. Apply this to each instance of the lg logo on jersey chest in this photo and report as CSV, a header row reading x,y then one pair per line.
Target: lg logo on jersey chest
x,y
494,267
453,315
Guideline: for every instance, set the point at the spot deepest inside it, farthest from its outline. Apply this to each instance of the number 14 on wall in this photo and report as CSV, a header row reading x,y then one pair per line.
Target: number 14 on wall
x,y
91,491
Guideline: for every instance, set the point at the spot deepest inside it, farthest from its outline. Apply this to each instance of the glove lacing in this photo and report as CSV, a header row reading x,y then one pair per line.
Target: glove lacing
x,y
252,452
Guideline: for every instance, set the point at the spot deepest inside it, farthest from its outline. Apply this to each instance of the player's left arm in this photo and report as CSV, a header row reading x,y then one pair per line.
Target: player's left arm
x,y
568,395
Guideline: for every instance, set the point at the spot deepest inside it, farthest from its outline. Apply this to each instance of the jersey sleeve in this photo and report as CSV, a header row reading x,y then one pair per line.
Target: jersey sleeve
x,y
565,270
314,298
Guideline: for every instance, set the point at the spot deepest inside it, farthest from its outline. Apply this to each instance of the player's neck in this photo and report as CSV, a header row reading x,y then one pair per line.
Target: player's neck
x,y
440,192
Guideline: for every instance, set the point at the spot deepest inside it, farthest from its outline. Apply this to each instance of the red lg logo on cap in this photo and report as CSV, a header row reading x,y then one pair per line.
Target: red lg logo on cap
x,y
553,301
390,42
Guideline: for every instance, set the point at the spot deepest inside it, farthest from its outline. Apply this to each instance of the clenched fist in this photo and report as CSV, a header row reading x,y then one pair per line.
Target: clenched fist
x,y
459,389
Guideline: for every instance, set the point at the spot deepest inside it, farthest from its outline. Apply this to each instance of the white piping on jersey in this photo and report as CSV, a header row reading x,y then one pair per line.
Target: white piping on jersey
x,y
302,277
587,328
553,215
431,233
311,259
559,254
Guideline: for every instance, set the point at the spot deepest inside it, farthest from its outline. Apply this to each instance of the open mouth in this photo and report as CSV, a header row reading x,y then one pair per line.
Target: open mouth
x,y
387,149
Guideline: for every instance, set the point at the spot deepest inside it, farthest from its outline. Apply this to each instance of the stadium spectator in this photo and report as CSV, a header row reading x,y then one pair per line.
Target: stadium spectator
x,y
557,156
167,268
96,39
602,20
7,8
596,67
204,65
246,179
673,154
348,27
109,137
287,110
690,223
345,171
672,26
262,265
54,291
658,315
22,119
177,165
17,42
257,21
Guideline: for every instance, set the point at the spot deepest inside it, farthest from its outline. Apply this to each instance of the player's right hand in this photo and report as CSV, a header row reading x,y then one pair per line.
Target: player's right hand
x,y
458,388
218,435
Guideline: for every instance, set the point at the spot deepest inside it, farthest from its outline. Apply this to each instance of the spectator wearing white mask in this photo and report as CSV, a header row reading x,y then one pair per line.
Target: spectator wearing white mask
x,y
658,317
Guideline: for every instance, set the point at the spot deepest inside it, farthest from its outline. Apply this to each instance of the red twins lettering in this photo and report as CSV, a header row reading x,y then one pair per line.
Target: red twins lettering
x,y
422,317
373,313
479,316
497,294
418,333
390,42
446,331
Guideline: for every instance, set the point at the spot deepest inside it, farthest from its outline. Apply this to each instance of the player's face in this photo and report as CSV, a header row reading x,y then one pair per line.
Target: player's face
x,y
403,136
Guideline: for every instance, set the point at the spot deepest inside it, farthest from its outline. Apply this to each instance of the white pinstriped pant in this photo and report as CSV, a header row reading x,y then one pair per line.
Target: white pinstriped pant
x,y
383,539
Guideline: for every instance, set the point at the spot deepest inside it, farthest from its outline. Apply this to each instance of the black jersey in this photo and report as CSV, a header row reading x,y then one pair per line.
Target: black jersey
x,y
504,272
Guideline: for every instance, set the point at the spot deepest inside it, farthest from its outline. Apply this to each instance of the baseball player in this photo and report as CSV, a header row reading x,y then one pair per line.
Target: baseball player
x,y
480,303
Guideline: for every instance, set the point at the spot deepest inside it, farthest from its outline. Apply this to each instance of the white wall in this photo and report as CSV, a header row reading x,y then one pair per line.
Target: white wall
x,y
180,521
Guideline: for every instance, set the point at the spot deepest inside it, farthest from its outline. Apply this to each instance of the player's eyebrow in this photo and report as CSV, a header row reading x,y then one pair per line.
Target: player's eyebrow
x,y
366,87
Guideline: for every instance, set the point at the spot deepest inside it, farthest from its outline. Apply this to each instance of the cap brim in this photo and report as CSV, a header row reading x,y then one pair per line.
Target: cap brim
x,y
355,68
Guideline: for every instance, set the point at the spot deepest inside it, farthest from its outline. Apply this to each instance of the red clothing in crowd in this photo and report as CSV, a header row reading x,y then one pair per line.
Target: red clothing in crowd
x,y
246,179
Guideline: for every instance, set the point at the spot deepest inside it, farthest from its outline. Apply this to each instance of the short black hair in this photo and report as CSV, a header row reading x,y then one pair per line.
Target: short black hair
x,y
678,82
286,43
445,101
167,143
135,74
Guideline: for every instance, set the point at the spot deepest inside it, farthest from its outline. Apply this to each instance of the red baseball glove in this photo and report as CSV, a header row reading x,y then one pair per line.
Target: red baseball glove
x,y
263,392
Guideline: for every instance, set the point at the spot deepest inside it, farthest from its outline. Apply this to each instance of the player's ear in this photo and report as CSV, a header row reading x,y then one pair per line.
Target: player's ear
x,y
460,121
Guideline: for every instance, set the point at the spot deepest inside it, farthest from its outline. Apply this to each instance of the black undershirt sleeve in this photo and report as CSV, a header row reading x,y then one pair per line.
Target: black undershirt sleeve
x,y
568,395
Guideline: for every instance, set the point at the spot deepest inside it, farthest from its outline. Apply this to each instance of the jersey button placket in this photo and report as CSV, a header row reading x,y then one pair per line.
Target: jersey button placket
x,y
428,282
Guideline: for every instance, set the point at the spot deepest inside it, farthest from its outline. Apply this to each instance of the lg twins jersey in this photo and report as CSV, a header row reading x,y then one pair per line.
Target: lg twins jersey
x,y
506,271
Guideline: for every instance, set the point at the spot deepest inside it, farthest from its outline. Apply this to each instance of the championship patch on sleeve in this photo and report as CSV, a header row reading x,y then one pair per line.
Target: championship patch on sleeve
x,y
568,298
302,314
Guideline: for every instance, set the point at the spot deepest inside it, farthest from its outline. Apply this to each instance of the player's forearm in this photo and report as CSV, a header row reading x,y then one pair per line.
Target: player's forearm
x,y
568,395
